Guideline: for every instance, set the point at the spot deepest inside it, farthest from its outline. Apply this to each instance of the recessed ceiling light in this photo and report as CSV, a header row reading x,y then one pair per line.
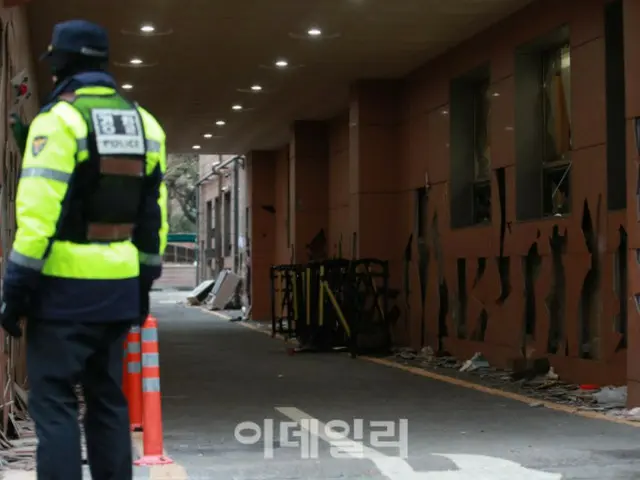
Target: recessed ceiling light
x,y
236,107
221,123
314,32
207,135
127,86
135,61
282,63
196,147
256,88
147,28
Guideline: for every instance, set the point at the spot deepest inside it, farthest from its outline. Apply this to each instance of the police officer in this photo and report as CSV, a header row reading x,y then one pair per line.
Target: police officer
x,y
92,227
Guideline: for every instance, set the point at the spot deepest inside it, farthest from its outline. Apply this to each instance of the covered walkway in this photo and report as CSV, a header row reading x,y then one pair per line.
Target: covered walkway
x,y
217,374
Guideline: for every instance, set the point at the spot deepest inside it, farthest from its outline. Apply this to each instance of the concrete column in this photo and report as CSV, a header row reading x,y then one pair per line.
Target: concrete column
x,y
374,166
632,75
261,181
283,207
308,185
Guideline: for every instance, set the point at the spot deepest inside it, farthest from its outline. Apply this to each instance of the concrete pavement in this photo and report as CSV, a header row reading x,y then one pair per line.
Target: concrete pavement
x,y
217,374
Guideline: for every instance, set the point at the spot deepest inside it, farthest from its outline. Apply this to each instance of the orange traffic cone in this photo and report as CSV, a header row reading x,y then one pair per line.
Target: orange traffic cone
x,y
134,379
152,437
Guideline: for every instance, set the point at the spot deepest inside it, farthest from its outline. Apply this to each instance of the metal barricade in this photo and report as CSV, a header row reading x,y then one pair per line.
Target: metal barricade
x,y
332,305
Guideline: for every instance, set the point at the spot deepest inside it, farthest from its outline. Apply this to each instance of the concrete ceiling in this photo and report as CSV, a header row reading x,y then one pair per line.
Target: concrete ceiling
x,y
206,54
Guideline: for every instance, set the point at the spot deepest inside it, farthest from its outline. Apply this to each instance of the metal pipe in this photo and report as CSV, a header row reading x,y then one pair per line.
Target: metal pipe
x,y
198,253
221,165
236,219
219,212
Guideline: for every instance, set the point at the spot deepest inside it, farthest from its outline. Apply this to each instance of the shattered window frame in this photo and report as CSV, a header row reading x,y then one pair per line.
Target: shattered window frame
x,y
555,96
482,151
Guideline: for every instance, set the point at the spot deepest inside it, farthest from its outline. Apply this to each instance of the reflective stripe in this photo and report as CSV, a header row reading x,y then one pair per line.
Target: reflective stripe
x,y
149,335
134,330
151,385
134,347
153,146
48,173
149,259
114,261
134,367
150,360
83,144
24,261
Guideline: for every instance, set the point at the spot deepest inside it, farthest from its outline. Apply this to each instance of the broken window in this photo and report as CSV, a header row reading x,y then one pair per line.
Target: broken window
x,y
615,101
482,152
470,148
211,231
226,218
556,118
543,137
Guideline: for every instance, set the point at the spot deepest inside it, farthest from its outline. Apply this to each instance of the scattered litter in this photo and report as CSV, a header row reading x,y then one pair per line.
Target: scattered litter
x,y
406,353
632,414
427,353
545,386
589,386
539,381
474,363
17,454
611,396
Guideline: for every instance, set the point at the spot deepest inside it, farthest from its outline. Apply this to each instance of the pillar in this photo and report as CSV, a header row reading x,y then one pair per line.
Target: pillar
x,y
309,188
374,166
632,81
261,196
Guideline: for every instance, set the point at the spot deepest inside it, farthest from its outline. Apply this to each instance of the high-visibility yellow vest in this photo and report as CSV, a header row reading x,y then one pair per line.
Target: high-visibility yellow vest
x,y
58,145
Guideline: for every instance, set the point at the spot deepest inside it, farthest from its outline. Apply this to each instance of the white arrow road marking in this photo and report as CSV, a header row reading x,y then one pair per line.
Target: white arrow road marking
x,y
470,467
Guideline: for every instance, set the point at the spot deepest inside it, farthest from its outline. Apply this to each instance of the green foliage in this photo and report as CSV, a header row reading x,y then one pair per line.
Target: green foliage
x,y
179,223
181,178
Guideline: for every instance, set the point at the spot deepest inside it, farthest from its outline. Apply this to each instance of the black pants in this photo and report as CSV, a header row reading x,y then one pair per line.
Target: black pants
x,y
61,355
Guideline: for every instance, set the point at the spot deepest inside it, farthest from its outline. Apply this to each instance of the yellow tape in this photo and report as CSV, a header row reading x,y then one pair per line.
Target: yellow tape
x,y
337,308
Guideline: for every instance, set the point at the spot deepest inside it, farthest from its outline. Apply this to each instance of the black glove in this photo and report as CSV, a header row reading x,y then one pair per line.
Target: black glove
x,y
10,319
145,293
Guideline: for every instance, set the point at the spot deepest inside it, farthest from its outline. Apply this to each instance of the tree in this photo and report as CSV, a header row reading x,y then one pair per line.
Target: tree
x,y
178,223
181,178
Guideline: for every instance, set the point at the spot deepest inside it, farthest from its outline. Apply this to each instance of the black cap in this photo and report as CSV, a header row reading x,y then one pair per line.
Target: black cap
x,y
81,37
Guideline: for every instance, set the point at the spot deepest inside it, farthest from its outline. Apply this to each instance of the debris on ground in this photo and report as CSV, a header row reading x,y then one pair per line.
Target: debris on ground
x,y
18,449
614,397
631,414
18,453
534,378
474,363
200,293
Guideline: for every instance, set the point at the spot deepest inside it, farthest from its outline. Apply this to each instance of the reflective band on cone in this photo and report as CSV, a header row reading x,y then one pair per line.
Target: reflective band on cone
x,y
134,379
152,440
